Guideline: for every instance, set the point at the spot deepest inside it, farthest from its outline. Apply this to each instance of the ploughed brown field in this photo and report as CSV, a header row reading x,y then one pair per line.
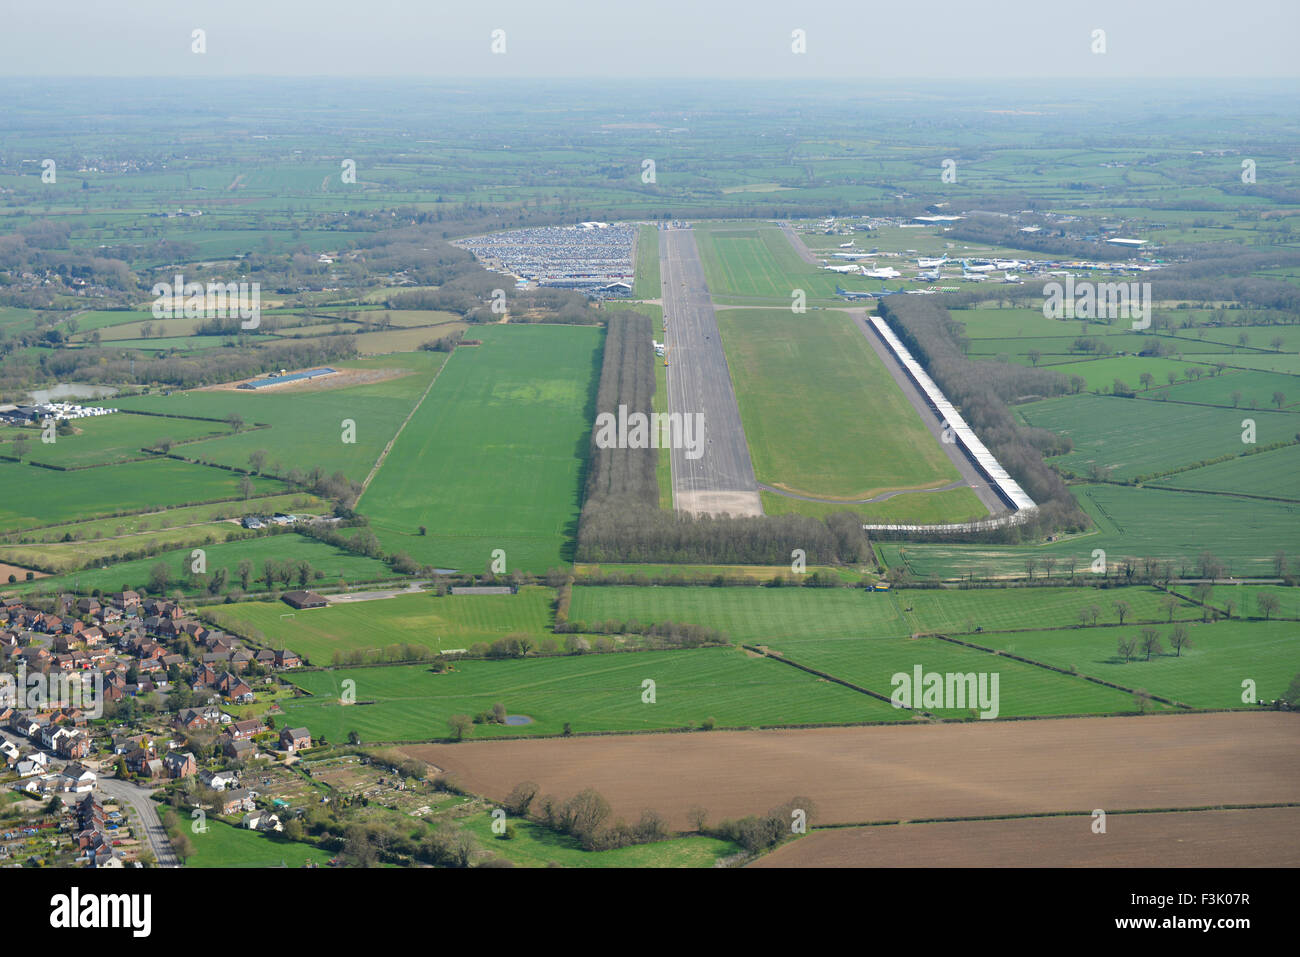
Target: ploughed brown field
x,y
1256,837
862,775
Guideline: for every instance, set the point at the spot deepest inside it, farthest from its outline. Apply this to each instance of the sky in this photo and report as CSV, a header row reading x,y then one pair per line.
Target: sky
x,y
937,39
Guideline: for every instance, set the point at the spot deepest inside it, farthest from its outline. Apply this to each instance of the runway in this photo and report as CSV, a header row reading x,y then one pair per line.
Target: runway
x,y
722,480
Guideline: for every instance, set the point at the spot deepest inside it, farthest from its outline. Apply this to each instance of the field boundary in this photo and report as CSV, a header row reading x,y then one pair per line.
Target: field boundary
x,y
821,674
1196,809
391,442
1063,671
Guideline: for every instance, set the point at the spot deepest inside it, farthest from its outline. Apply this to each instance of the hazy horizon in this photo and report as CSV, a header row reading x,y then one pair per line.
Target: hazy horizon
x,y
679,39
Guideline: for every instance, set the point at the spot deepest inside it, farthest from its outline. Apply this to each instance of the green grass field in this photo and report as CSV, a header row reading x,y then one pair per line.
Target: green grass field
x,y
1023,689
961,611
223,845
1134,438
683,574
1208,674
1099,375
1272,474
757,265
1130,523
69,556
646,285
752,615
145,522
307,422
948,505
536,846
1244,599
424,620
1240,390
493,458
106,439
822,415
594,692
985,322
35,496
335,563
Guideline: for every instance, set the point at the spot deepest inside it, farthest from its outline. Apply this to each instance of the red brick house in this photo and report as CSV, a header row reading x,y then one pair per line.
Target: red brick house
x,y
295,739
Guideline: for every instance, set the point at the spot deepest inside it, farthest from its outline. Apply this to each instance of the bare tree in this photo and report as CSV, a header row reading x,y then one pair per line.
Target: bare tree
x,y
1126,647
1267,604
1150,643
460,725
1122,608
1179,639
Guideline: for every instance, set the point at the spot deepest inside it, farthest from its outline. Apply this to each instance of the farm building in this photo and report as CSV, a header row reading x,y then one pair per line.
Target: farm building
x,y
287,377
304,599
484,589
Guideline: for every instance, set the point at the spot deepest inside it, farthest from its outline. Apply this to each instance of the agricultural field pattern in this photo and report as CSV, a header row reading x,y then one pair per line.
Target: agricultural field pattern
x,y
457,471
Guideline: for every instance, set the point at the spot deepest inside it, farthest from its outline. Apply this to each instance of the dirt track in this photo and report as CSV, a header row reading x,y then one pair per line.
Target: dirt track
x,y
858,775
1239,838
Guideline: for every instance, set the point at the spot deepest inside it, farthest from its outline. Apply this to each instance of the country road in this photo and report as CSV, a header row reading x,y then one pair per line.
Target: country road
x,y
147,812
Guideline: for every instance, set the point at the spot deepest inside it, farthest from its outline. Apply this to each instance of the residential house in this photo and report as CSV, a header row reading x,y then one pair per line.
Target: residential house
x,y
239,799
192,719
180,765
78,778
238,750
244,730
284,658
259,820
219,780
235,688
294,739
74,746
